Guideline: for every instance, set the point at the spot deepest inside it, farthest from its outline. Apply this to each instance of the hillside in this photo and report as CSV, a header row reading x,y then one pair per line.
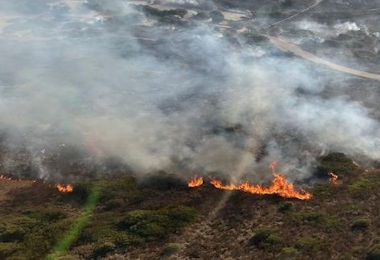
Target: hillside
x,y
160,217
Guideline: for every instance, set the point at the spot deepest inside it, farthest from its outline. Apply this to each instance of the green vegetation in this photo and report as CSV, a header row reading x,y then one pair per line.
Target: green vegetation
x,y
126,216
155,224
361,224
367,185
72,234
310,244
265,238
316,219
338,163
22,233
374,253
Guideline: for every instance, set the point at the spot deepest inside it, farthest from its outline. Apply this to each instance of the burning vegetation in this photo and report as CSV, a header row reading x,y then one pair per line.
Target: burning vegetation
x,y
333,178
64,188
195,182
279,186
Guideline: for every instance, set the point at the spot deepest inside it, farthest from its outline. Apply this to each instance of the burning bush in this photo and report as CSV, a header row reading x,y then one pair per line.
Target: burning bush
x,y
337,163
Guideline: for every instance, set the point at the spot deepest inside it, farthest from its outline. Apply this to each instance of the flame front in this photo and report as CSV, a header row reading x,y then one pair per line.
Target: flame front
x,y
333,178
195,182
279,186
64,188
3,177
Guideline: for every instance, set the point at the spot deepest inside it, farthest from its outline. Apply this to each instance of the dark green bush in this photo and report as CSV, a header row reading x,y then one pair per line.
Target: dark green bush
x,y
360,224
154,224
285,206
101,250
7,249
163,181
265,238
374,253
310,244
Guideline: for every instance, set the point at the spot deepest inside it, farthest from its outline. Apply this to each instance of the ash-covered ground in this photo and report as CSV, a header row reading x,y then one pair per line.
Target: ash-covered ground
x,y
127,100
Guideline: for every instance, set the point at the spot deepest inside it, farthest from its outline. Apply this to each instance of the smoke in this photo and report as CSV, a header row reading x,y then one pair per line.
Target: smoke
x,y
104,78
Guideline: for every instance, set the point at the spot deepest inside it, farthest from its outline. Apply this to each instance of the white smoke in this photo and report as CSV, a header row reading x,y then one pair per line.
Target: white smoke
x,y
87,75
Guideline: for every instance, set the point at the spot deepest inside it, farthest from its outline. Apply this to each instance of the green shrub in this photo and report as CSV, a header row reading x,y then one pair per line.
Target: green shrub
x,y
321,220
360,224
163,13
7,249
163,181
336,162
113,204
374,253
155,224
309,244
170,249
217,16
103,249
265,238
81,192
288,253
14,228
285,206
360,188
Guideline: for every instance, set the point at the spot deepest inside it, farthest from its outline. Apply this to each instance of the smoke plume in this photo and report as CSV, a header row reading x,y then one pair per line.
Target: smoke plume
x,y
103,77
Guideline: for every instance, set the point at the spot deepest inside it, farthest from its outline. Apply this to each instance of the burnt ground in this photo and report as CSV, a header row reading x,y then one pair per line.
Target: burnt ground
x,y
159,217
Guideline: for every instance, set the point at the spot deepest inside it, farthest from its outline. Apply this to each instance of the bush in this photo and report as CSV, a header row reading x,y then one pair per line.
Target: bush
x,y
265,238
154,224
216,16
288,253
163,181
103,249
81,192
374,253
7,249
335,162
285,206
360,224
170,249
360,188
309,244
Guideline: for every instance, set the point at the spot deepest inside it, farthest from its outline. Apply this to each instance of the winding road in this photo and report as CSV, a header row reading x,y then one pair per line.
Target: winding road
x,y
283,44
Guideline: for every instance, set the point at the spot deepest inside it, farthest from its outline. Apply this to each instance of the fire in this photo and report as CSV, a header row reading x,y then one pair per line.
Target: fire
x,y
3,177
64,188
279,186
195,182
333,178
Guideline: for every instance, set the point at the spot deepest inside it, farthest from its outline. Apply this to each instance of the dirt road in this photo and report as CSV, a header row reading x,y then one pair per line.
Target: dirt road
x,y
287,46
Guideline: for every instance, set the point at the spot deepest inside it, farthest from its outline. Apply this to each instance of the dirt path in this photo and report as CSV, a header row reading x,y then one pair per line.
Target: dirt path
x,y
287,46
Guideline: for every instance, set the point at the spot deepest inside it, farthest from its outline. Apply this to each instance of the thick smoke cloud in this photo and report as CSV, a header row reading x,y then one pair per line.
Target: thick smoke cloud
x,y
161,97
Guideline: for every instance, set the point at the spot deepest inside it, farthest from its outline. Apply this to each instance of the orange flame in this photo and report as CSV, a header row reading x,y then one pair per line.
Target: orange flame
x,y
333,178
195,182
64,188
279,186
3,177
